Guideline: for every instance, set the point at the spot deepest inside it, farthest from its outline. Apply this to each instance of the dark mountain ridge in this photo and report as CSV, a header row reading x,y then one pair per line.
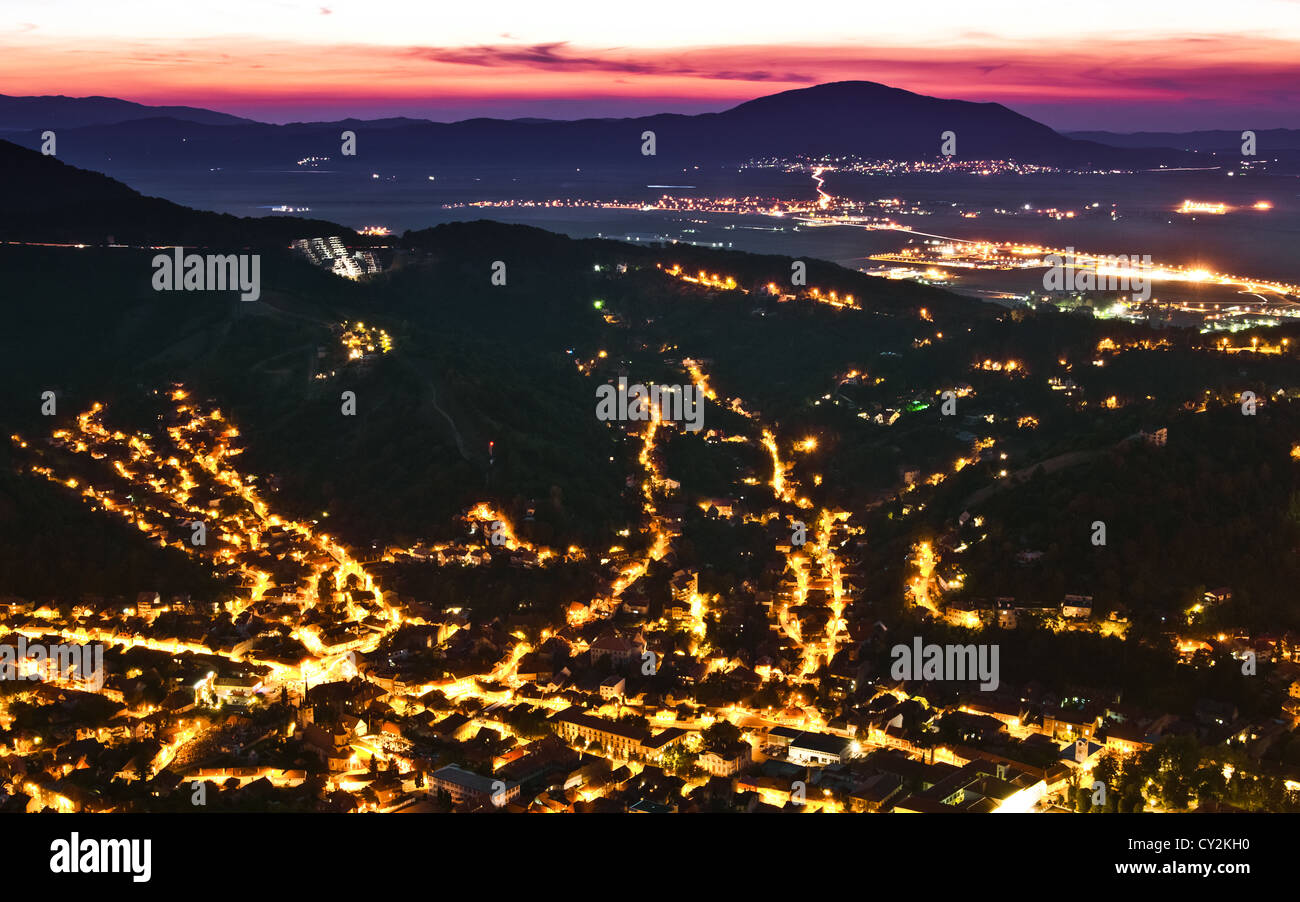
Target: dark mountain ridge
x,y
843,118
48,200
1223,139
58,111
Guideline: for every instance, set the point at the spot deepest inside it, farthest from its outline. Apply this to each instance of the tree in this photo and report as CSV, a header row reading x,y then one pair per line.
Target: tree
x,y
720,735
1208,783
1107,768
633,720
678,761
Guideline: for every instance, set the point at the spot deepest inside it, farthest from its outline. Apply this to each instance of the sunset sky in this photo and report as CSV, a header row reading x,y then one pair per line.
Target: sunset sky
x,y
1123,66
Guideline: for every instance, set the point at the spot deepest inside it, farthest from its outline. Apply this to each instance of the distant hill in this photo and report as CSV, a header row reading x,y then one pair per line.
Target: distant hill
x,y
47,200
1268,140
852,117
57,111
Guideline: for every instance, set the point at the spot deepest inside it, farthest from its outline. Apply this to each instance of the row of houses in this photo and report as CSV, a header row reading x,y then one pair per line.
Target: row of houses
x,y
624,740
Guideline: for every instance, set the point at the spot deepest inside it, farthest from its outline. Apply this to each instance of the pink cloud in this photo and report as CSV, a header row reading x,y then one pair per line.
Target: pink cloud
x,y
1257,74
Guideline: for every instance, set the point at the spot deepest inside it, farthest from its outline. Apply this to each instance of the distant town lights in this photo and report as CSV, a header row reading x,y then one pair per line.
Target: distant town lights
x,y
1196,206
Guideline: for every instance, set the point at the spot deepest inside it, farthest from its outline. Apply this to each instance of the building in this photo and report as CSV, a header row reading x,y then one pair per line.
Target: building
x,y
1154,435
1067,724
1010,711
1125,740
875,793
622,740
331,254
146,603
612,687
727,763
572,725
1007,619
331,743
685,584
779,738
236,690
1217,596
819,749
1076,607
978,787
724,506
468,788
619,651
654,747
678,610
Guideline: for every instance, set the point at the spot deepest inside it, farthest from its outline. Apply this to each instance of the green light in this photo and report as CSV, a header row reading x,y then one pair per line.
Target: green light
x,y
599,305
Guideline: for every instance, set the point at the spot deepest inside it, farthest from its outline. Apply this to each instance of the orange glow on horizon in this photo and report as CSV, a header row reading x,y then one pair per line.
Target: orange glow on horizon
x,y
351,62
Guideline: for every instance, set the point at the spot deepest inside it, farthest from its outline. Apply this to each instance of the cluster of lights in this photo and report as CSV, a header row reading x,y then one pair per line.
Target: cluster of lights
x,y
358,340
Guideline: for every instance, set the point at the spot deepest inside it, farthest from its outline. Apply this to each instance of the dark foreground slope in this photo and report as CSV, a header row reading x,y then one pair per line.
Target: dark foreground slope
x,y
46,200
516,365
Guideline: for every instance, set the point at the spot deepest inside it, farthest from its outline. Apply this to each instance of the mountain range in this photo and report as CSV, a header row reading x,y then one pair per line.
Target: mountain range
x,y
858,118
57,111
1223,139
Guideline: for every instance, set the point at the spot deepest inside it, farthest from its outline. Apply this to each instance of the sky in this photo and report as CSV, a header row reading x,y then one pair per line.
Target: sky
x,y
1119,65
